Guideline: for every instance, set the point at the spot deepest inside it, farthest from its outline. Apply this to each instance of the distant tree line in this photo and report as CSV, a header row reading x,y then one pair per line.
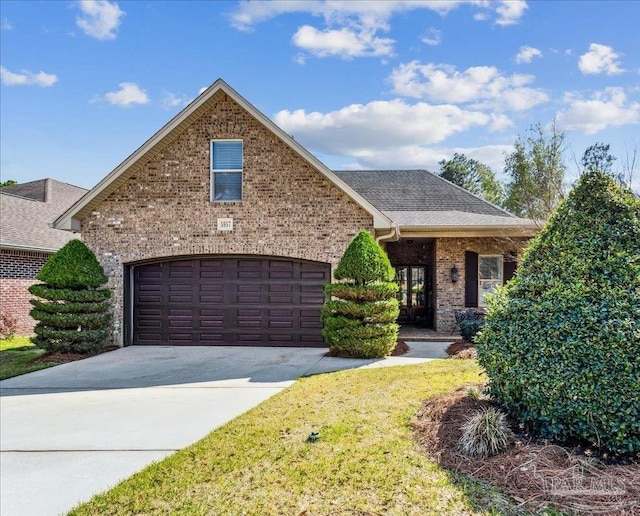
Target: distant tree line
x,y
8,182
535,171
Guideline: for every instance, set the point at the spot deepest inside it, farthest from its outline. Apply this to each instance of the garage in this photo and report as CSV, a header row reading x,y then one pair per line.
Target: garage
x,y
233,300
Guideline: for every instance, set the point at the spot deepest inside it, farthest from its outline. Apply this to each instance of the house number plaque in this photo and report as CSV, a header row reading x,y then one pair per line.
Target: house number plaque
x,y
225,224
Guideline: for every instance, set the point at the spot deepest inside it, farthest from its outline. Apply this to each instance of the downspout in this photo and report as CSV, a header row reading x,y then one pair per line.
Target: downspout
x,y
393,236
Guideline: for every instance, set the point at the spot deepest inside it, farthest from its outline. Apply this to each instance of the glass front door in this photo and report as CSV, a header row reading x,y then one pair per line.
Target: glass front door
x,y
413,294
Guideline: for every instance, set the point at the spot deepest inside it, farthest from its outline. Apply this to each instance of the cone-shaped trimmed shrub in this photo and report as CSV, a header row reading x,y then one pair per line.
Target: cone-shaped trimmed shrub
x,y
361,321
74,316
561,342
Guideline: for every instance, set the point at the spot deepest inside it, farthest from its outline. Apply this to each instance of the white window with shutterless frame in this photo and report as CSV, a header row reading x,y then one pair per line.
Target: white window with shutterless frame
x,y
226,170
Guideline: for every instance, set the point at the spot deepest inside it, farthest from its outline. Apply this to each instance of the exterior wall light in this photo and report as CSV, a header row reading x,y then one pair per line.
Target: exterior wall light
x,y
454,274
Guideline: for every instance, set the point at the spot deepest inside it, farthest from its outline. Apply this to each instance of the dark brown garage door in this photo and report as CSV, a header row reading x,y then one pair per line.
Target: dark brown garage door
x,y
244,301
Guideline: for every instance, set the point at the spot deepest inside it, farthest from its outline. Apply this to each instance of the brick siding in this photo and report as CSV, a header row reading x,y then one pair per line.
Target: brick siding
x,y
163,209
14,302
17,273
450,252
21,264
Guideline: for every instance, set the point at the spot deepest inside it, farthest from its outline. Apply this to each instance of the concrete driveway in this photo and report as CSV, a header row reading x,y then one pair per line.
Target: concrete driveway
x,y
69,432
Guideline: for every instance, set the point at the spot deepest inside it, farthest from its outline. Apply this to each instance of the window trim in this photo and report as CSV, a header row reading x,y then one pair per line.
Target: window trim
x,y
499,280
213,171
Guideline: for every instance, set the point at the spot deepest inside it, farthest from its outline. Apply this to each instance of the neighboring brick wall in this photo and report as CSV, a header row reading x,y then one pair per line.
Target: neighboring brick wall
x,y
14,301
17,273
21,264
288,209
450,252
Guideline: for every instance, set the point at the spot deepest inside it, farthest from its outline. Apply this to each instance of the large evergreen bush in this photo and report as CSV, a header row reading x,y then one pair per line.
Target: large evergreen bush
x,y
360,321
74,316
561,342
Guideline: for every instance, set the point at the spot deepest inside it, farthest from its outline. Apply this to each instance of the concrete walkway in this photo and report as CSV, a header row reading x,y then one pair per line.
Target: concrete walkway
x,y
72,431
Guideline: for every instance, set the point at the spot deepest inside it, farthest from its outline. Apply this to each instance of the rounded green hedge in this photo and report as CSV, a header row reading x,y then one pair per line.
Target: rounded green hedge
x,y
561,342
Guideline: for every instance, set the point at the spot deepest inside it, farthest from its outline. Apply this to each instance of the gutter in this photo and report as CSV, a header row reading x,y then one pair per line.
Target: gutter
x,y
13,247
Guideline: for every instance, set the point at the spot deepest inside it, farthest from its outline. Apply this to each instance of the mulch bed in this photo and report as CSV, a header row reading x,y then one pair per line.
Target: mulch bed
x,y
63,358
462,349
536,474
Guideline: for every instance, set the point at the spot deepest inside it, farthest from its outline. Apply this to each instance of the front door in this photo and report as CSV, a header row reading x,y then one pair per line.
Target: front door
x,y
414,295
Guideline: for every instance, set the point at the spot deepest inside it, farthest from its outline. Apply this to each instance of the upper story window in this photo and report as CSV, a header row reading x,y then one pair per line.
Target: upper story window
x,y
226,170
490,270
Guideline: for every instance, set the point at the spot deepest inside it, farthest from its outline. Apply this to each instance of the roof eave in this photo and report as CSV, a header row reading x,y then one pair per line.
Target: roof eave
x,y
35,249
68,220
524,231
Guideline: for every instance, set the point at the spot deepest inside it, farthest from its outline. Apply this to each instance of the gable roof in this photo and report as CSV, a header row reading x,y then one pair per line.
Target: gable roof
x,y
418,200
27,209
70,219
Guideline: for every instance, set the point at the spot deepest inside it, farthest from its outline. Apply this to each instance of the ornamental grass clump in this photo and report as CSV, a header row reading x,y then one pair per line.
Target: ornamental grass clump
x,y
561,341
360,320
73,312
485,434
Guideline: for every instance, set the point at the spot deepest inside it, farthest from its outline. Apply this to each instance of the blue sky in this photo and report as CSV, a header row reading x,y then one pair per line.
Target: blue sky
x,y
383,84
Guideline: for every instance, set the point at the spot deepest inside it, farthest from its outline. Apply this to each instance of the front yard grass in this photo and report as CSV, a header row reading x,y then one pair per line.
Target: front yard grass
x,y
365,460
17,355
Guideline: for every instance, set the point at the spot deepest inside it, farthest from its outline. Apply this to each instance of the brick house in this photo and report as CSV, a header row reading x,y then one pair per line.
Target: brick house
x,y
222,229
27,241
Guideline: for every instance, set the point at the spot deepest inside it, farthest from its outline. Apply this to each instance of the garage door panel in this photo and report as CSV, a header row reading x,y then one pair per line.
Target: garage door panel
x,y
229,301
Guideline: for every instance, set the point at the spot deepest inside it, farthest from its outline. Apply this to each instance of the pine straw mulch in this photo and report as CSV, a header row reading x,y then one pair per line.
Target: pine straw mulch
x,y
62,357
535,474
462,349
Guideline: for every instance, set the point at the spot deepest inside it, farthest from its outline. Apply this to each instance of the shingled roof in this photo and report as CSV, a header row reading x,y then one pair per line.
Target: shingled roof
x,y
27,209
419,199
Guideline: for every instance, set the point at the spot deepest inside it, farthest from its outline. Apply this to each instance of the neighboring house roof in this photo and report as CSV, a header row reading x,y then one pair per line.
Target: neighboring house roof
x,y
27,209
418,200
70,219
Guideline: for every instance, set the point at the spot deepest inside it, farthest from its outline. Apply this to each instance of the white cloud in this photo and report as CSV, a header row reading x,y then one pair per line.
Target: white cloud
x,y
485,86
345,43
128,94
6,24
171,100
432,37
510,11
352,28
99,19
600,59
27,78
607,108
417,156
526,54
361,130
370,13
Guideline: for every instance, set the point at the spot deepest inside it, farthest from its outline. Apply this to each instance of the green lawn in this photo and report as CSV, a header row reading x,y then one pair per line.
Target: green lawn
x,y
16,355
365,461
